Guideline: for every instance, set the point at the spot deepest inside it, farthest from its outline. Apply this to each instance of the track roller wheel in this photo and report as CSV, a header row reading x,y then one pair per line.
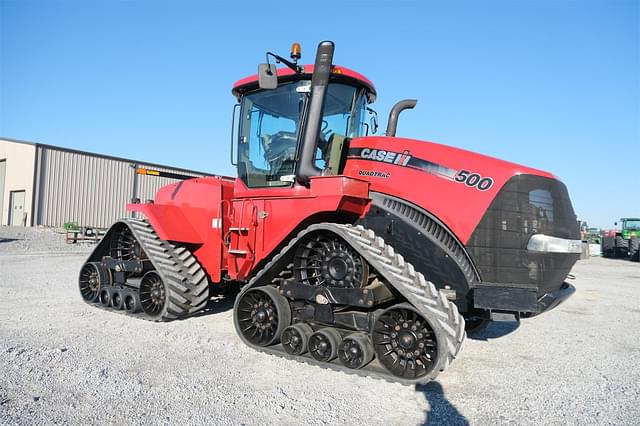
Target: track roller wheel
x,y
355,351
295,338
131,302
153,294
324,343
261,316
93,277
117,299
405,342
105,297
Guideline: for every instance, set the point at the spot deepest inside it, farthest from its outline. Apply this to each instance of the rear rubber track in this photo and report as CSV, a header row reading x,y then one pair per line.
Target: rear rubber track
x,y
441,313
186,284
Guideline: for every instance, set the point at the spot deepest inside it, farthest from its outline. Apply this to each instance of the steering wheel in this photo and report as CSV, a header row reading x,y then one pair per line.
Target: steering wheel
x,y
280,146
278,137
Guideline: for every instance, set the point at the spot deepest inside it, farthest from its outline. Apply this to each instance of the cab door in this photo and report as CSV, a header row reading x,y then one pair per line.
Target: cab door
x,y
243,235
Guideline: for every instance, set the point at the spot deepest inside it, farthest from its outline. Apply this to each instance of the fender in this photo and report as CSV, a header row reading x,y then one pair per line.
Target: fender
x,y
425,242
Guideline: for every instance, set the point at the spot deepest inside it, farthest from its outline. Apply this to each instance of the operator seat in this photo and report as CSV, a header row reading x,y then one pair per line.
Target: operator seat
x,y
333,154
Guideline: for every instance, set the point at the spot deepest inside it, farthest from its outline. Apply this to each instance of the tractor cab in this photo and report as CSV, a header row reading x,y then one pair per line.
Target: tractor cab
x,y
279,115
630,227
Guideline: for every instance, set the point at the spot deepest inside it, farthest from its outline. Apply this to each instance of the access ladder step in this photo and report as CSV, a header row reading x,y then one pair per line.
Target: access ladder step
x,y
237,252
237,229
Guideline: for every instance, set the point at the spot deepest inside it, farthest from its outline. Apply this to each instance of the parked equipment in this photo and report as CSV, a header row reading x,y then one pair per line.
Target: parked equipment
x,y
355,252
625,242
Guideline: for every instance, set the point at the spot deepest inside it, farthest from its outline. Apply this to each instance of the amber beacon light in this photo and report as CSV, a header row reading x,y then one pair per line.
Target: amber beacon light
x,y
296,51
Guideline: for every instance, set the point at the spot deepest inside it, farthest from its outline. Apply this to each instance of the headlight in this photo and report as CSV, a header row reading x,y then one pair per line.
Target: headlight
x,y
547,244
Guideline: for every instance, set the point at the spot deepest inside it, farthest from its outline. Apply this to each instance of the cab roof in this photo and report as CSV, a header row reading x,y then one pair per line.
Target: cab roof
x,y
338,74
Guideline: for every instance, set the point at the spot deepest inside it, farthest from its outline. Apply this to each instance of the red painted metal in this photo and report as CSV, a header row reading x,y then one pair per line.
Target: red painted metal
x,y
188,212
274,214
457,205
234,227
308,70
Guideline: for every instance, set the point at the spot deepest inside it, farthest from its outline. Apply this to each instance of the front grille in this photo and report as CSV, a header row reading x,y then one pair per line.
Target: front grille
x,y
526,205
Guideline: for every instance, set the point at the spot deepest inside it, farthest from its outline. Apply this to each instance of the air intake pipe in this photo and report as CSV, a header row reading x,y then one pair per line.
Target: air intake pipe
x,y
395,113
319,83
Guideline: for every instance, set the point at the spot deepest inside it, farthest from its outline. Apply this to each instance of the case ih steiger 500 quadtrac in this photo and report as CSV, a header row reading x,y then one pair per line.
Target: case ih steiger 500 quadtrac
x,y
355,252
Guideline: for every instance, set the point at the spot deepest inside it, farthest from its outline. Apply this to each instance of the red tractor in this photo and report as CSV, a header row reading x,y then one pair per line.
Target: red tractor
x,y
354,252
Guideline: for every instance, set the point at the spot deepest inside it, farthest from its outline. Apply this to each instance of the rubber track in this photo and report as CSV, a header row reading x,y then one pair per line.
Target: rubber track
x,y
185,281
421,294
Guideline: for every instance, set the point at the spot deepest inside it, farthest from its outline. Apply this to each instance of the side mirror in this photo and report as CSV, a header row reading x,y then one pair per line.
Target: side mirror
x,y
267,76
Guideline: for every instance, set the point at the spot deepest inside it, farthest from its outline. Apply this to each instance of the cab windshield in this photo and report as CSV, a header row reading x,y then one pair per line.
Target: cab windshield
x,y
270,127
631,224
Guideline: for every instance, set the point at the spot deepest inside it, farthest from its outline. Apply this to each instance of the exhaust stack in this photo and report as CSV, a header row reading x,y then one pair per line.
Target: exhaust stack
x,y
395,113
319,83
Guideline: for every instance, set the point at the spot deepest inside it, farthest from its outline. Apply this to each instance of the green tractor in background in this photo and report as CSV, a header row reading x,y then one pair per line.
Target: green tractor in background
x,y
623,243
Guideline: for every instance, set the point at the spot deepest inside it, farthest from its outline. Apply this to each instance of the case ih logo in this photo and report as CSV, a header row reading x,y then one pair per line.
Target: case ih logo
x,y
390,157
466,177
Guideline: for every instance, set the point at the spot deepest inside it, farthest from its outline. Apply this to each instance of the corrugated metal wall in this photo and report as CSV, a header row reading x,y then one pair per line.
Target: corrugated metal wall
x,y
90,190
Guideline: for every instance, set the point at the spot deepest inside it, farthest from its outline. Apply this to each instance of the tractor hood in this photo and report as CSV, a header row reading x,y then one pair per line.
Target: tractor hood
x,y
455,185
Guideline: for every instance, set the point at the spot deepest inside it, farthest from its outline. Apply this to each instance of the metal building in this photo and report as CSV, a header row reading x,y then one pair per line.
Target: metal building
x,y
49,185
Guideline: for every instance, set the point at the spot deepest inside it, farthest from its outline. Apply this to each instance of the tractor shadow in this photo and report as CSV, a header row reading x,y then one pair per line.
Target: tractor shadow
x,y
9,240
495,330
442,412
219,302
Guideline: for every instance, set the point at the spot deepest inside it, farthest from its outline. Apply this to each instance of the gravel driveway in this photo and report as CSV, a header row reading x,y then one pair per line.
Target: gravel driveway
x,y
62,361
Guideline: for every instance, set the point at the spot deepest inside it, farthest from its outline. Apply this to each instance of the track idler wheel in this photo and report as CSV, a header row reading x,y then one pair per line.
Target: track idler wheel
x,y
405,342
132,302
262,315
117,299
153,294
324,343
355,351
94,276
327,260
295,338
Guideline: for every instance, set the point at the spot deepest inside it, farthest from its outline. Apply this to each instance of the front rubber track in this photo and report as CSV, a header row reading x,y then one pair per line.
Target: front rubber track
x,y
442,314
186,284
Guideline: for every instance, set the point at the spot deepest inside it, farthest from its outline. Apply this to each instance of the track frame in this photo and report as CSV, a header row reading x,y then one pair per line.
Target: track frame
x,y
442,314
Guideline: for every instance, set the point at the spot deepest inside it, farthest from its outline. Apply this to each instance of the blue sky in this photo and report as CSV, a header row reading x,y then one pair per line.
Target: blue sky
x,y
550,84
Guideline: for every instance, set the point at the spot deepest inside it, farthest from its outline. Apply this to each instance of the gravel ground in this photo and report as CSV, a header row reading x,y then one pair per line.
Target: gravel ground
x,y
62,361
